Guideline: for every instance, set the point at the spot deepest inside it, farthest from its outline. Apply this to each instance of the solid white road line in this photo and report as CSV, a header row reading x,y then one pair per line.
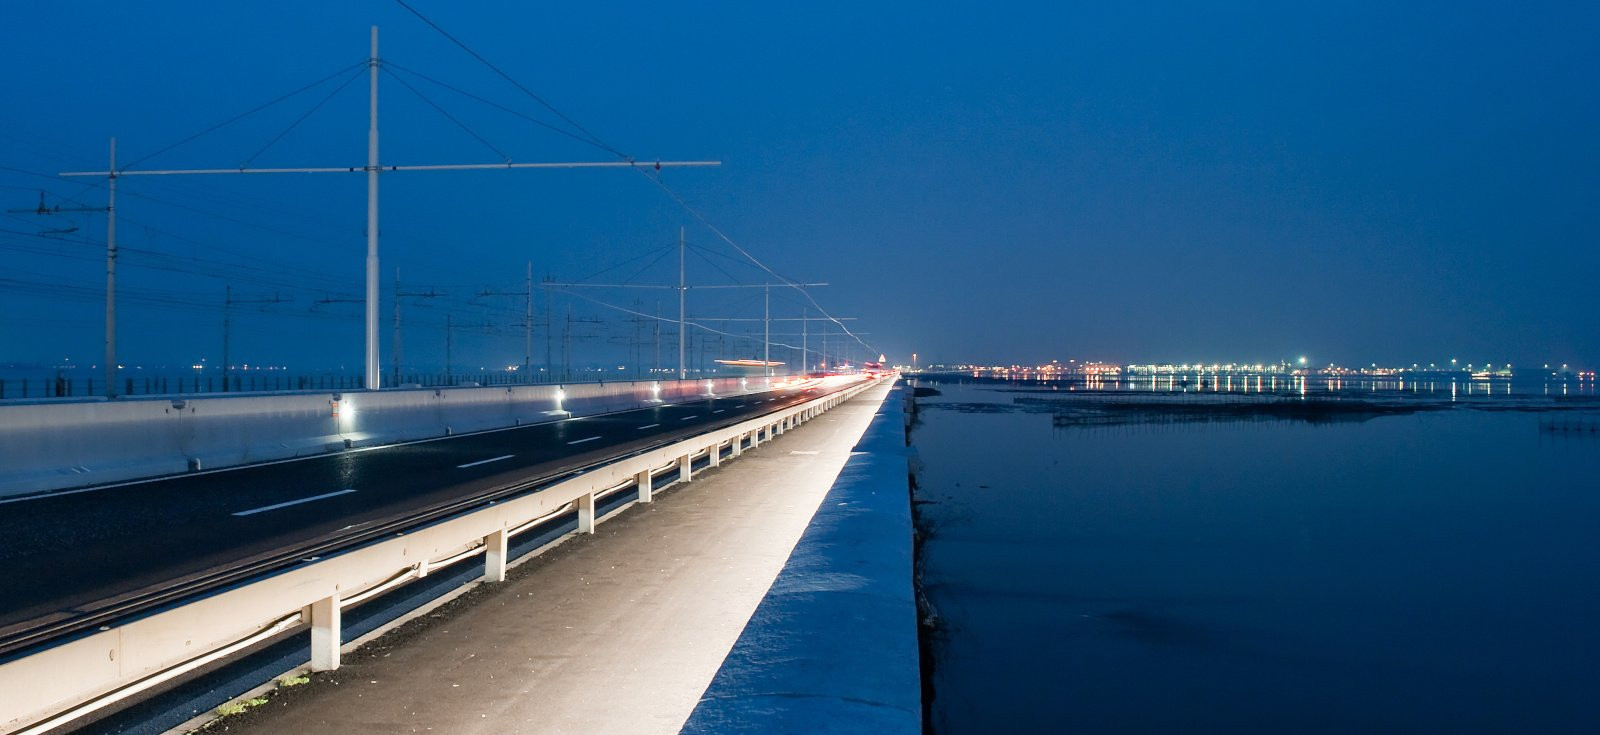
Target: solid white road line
x,y
580,441
484,461
286,504
648,426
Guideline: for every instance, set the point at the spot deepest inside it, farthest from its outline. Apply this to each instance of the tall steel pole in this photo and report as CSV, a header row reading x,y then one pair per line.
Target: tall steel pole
x,y
805,337
766,329
227,335
372,377
527,331
111,275
682,319
395,348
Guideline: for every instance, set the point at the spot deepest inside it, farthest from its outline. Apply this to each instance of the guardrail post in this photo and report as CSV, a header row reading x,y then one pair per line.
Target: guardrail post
x,y
586,513
715,454
738,444
494,556
325,633
686,468
647,488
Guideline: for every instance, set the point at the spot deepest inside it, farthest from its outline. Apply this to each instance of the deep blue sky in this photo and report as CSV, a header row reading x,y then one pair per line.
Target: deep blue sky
x,y
1389,182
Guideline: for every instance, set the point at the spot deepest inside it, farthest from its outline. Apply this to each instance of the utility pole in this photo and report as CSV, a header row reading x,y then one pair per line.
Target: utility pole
x,y
372,379
111,274
766,328
450,328
394,344
227,330
566,348
227,333
805,336
527,327
527,320
682,319
111,261
549,333
638,341
400,294
824,347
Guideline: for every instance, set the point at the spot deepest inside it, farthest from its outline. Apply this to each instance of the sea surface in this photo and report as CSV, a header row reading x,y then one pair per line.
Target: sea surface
x,y
1181,568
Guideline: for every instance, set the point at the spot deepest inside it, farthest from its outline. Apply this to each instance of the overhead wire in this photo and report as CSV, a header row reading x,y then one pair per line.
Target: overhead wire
x,y
647,266
719,268
753,259
653,317
491,103
448,116
651,176
242,115
163,261
663,250
298,120
594,140
188,208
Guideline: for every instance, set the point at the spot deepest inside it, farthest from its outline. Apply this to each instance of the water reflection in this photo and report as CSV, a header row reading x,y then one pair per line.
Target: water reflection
x,y
1490,384
1161,558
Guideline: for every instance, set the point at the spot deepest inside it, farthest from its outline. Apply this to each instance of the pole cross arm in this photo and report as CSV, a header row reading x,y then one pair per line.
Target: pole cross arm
x,y
385,169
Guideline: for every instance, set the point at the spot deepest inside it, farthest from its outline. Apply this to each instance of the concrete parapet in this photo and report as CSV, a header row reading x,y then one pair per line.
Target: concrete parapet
x,y
833,645
57,445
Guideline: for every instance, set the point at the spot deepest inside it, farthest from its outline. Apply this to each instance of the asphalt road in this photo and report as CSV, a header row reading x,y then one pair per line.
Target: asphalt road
x,y
72,556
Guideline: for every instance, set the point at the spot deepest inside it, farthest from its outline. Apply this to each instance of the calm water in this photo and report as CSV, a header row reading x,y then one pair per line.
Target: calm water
x,y
1431,572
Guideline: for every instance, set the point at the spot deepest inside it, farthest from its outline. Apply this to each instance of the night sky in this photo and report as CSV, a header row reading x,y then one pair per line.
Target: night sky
x,y
1354,182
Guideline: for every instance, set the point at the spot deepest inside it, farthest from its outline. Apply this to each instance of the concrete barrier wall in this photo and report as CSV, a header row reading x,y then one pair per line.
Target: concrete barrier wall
x,y
56,445
833,645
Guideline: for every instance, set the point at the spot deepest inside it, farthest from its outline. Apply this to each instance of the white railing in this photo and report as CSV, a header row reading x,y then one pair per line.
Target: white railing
x,y
58,684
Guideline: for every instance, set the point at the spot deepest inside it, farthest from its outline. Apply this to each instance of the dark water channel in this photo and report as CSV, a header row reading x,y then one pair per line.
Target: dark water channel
x,y
1436,571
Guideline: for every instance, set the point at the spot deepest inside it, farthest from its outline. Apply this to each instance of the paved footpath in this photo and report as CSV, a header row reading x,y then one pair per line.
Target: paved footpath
x,y
619,632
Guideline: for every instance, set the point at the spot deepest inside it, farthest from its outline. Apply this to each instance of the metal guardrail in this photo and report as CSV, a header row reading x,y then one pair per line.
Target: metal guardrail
x,y
60,683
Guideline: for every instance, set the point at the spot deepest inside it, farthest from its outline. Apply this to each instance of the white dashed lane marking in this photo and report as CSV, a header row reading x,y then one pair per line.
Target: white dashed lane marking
x,y
288,503
484,461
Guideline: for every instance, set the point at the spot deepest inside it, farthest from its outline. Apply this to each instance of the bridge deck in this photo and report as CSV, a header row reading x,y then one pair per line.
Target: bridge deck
x,y
74,553
617,632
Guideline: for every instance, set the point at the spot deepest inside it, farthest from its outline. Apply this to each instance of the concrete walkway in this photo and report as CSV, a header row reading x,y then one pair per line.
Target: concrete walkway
x,y
618,632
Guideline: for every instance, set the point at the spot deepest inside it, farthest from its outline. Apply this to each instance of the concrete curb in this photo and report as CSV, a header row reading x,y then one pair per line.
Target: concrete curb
x,y
833,645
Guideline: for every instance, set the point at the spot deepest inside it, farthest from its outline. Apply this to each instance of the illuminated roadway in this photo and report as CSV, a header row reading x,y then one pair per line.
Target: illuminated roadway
x,y
76,560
